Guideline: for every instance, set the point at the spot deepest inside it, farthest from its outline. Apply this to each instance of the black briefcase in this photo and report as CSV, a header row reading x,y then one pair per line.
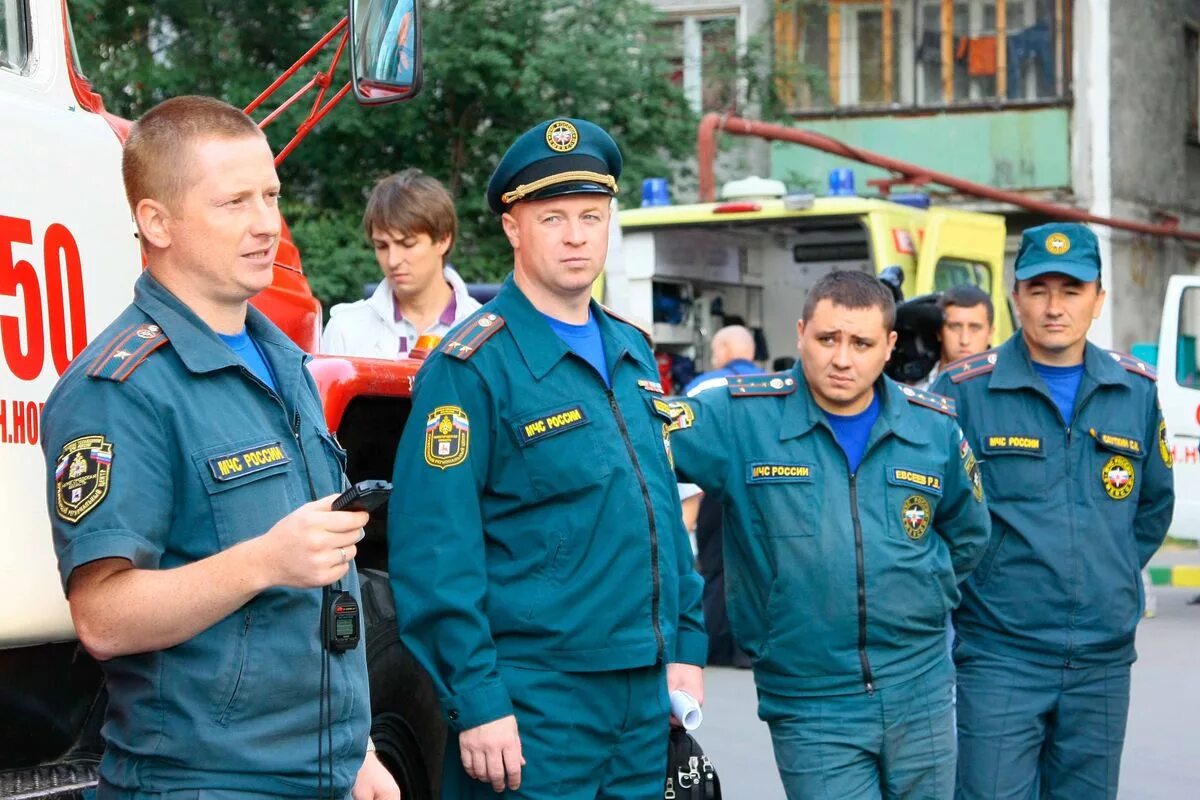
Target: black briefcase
x,y
690,775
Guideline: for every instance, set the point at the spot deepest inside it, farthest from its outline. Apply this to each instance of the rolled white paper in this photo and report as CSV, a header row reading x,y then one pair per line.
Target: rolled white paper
x,y
686,710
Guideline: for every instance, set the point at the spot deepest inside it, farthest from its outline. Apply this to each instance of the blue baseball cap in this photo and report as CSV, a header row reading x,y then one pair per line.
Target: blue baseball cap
x,y
1068,248
556,157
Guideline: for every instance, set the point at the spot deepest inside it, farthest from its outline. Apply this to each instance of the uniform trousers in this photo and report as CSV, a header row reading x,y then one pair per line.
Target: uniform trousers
x,y
1032,731
584,736
897,742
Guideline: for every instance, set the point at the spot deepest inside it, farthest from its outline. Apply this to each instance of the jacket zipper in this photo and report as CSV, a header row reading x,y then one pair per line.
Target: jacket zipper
x,y
868,678
637,469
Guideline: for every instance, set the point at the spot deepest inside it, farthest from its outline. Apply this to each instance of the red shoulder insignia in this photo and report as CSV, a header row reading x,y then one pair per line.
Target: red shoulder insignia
x,y
645,333
772,383
126,352
937,402
1134,365
474,331
971,366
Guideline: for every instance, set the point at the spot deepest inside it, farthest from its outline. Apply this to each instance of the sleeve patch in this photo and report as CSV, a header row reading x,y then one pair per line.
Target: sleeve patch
x,y
1164,447
81,476
471,334
447,437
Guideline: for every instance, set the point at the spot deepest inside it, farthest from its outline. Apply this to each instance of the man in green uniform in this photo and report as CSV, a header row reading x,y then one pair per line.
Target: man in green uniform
x,y
1078,473
540,567
852,512
190,481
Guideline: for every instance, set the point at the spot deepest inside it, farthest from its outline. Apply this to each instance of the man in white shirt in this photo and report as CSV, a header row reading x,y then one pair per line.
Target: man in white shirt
x,y
411,224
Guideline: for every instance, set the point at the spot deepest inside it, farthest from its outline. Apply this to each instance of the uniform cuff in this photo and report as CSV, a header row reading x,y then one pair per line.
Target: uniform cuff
x,y
96,545
691,647
483,704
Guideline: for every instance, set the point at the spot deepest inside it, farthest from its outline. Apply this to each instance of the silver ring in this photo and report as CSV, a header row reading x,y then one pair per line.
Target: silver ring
x,y
342,550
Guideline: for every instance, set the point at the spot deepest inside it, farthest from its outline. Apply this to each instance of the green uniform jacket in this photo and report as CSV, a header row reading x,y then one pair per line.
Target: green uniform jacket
x,y
836,582
1077,510
163,448
536,520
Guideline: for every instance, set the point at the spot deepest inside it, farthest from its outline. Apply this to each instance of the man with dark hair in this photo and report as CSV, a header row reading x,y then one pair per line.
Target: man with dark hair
x,y
968,320
1078,473
411,225
852,511
191,477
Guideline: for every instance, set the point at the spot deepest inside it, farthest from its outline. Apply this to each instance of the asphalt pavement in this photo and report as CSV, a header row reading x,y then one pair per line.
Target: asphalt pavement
x,y
1162,744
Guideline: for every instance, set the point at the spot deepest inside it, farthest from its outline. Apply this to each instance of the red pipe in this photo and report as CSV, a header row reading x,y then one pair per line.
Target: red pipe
x,y
706,151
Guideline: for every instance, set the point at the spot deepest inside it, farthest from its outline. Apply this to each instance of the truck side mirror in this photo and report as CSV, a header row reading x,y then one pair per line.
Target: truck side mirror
x,y
385,50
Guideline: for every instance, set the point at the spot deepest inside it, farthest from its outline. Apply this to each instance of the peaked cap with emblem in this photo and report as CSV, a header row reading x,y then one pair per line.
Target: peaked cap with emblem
x,y
1068,248
556,157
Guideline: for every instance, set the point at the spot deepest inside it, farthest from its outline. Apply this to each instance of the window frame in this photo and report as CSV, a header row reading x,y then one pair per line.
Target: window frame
x,y
24,30
692,47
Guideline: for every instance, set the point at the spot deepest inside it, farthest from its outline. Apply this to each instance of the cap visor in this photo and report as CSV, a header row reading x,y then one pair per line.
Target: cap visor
x,y
569,187
1073,269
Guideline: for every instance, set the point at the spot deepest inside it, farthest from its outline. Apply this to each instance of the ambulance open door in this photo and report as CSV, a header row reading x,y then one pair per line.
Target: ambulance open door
x,y
959,247
1179,393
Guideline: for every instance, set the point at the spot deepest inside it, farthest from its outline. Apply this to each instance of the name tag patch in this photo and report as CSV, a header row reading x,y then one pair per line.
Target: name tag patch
x,y
1012,444
549,424
240,463
1122,444
921,480
761,472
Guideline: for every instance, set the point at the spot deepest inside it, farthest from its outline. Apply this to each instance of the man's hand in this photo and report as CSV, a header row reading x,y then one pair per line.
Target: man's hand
x,y
688,678
374,782
492,753
312,546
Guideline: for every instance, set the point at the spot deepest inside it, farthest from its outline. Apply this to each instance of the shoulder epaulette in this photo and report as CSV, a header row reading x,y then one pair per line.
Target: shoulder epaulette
x,y
645,333
126,352
473,332
920,397
772,383
971,366
1134,365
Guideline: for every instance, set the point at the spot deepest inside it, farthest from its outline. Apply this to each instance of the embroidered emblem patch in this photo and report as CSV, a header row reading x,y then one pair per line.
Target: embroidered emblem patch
x,y
915,515
760,472
240,463
447,437
971,467
549,424
920,480
561,136
667,444
1057,244
1164,449
677,412
81,476
1118,477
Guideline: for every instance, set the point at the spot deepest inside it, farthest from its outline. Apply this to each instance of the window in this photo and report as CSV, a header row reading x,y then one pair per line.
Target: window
x,y
14,35
703,53
1187,359
956,271
1191,64
895,53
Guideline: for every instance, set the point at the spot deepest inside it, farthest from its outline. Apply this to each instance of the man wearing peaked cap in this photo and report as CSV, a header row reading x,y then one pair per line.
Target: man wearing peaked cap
x,y
541,571
1078,476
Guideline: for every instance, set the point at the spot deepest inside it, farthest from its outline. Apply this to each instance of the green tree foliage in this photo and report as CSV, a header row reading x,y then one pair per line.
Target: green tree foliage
x,y
492,68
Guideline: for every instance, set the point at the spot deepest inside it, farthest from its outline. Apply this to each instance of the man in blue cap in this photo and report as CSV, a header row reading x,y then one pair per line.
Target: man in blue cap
x,y
1077,471
541,571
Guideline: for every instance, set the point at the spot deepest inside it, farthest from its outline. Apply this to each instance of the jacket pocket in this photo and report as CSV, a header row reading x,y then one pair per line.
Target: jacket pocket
x,y
1014,466
562,449
233,673
784,500
1116,466
912,495
249,487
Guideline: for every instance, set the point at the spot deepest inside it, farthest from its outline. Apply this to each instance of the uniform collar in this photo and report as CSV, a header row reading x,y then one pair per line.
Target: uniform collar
x,y
801,413
1014,367
540,346
197,345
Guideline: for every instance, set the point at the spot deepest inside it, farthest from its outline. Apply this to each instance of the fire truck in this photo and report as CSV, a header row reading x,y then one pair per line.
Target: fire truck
x,y
69,257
